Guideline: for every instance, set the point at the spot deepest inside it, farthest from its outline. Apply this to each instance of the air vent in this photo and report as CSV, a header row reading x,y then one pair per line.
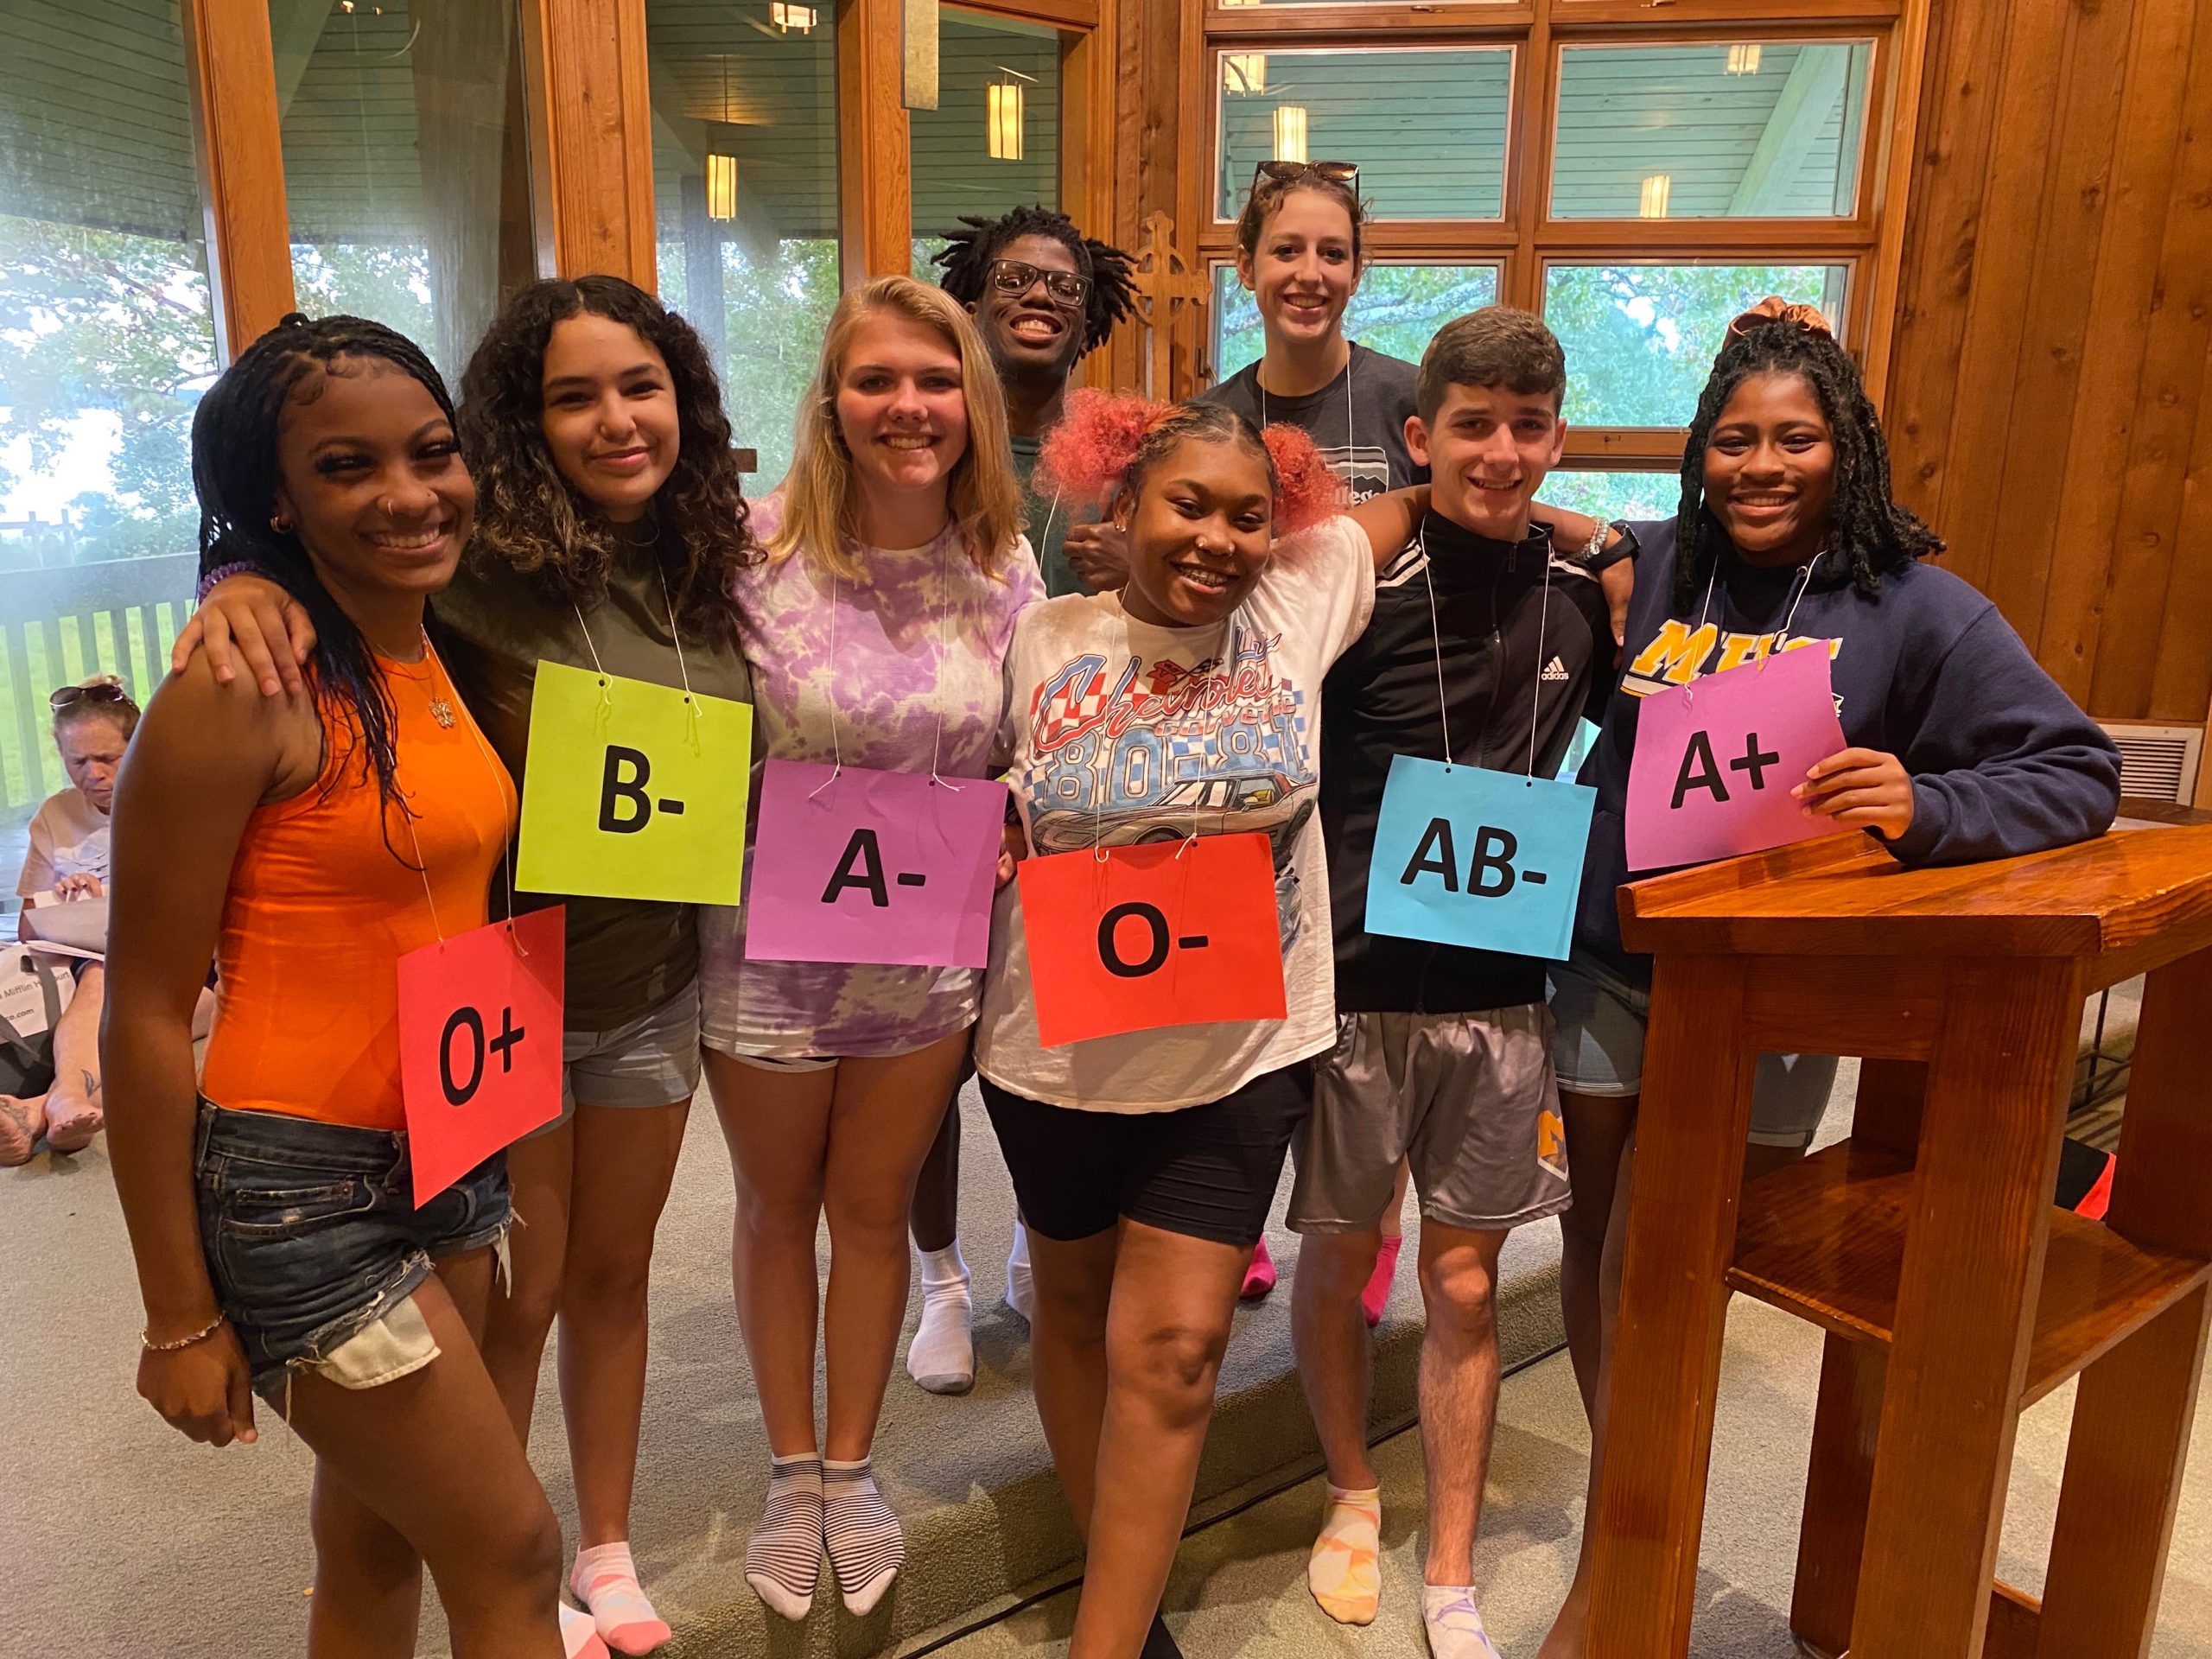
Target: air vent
x,y
2158,762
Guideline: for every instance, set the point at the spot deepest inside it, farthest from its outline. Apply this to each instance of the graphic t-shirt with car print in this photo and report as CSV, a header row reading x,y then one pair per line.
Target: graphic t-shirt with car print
x,y
1121,733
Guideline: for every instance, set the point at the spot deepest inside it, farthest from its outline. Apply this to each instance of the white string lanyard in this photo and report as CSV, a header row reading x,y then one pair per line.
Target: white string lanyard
x,y
1045,540
1229,658
498,777
1436,642
1351,443
1804,585
683,669
944,658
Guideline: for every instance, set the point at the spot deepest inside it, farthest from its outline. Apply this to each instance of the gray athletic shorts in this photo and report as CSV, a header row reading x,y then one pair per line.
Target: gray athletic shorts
x,y
1598,1020
652,1060
1468,1098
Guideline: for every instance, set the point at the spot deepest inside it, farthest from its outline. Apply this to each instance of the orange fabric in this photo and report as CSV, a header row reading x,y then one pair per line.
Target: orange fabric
x,y
320,912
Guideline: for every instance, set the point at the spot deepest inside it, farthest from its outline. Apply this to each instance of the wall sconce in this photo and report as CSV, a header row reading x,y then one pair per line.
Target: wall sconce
x,y
721,186
1007,100
1244,73
1290,132
1744,59
1657,189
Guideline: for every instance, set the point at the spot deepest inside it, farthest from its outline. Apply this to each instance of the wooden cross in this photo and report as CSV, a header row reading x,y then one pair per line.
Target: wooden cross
x,y
1163,280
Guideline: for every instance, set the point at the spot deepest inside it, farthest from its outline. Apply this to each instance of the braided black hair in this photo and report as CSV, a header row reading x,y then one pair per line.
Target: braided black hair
x,y
966,261
235,474
1867,530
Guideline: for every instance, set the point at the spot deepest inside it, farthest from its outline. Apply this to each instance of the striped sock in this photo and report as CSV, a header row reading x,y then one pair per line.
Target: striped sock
x,y
605,1579
867,1549
784,1555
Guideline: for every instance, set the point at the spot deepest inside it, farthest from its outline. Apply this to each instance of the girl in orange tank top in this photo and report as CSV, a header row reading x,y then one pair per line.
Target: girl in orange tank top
x,y
308,841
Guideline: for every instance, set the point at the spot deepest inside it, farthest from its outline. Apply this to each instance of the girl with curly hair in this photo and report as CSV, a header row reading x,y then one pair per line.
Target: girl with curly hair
x,y
1959,748
878,629
610,529
1145,1163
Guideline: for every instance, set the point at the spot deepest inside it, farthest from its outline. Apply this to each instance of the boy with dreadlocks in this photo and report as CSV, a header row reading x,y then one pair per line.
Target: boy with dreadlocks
x,y
1043,295
1960,746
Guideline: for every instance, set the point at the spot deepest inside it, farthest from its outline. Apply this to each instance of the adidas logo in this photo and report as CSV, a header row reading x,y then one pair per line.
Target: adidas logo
x,y
1554,669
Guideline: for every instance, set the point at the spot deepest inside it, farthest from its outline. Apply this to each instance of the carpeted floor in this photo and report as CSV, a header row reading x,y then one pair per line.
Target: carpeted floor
x,y
142,1544
1239,1588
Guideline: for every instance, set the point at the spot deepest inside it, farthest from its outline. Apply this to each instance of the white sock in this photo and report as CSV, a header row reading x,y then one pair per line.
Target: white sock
x,y
605,1579
941,1357
579,1636
1021,1288
1453,1623
782,1557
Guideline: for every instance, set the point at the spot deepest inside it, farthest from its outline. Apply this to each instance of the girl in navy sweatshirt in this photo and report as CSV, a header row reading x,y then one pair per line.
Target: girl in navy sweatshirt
x,y
1960,747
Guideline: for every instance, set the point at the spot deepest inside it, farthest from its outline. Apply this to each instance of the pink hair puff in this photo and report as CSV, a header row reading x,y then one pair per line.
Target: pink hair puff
x,y
1306,491
1087,454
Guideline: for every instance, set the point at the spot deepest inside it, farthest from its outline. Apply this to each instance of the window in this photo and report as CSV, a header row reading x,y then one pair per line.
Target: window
x,y
992,142
1742,129
1614,495
1396,308
1640,339
1428,127
1663,174
405,169
745,188
107,341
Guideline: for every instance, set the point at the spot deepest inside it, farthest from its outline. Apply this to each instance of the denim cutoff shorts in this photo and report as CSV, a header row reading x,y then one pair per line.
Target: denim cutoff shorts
x,y
314,1246
1599,1019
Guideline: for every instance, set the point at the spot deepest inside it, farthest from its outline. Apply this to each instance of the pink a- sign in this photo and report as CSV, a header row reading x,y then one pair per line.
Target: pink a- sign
x,y
850,864
1715,761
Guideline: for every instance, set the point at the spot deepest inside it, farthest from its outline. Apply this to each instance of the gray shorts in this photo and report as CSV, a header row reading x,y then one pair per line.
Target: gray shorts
x,y
652,1060
1468,1099
1598,1020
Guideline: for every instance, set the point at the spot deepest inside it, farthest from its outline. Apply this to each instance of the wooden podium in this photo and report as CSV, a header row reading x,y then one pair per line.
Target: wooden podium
x,y
1952,1291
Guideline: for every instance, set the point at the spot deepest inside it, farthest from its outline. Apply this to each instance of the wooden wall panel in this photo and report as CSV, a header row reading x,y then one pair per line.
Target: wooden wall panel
x,y
238,139
2046,401
592,144
875,201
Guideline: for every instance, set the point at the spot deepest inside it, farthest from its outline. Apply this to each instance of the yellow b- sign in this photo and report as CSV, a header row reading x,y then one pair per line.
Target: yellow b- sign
x,y
633,790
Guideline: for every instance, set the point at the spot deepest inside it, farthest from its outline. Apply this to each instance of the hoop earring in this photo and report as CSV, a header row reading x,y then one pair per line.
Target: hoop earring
x,y
280,524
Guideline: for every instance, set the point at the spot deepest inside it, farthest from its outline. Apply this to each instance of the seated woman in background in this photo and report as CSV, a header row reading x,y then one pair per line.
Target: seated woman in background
x,y
66,862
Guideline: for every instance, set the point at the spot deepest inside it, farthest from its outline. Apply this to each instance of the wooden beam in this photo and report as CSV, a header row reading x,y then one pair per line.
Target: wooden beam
x,y
875,197
1809,93
594,128
239,143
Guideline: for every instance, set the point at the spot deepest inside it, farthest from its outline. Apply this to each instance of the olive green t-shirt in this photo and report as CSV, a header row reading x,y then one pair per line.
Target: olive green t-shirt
x,y
1049,517
626,957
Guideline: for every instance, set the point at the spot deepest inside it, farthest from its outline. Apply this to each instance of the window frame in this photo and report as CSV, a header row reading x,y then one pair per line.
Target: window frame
x,y
1527,240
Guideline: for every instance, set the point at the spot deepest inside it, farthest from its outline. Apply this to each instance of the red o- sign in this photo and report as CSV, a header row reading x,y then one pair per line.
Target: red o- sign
x,y
1173,934
479,1043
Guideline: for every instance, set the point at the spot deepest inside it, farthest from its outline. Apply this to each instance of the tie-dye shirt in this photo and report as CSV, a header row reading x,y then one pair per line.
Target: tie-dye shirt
x,y
923,642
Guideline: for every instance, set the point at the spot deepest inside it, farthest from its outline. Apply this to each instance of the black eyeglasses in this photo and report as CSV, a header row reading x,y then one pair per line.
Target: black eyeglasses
x,y
105,689
1345,173
1011,276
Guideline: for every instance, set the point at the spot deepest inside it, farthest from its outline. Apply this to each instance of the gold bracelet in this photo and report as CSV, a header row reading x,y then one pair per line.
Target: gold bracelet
x,y
200,1335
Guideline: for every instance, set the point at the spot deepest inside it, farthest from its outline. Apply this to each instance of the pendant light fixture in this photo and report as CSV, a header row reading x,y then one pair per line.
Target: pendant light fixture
x,y
1005,110
1244,73
1658,188
1290,132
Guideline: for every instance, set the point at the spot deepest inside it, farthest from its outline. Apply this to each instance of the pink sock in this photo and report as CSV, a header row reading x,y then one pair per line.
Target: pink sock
x,y
1258,1274
1376,1296
605,1579
579,1639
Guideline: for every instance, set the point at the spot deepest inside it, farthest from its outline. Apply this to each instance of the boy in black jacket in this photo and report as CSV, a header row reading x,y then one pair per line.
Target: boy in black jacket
x,y
1443,1055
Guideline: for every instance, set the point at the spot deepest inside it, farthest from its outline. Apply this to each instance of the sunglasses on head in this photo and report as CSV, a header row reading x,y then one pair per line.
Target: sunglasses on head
x,y
106,688
1345,173
1011,276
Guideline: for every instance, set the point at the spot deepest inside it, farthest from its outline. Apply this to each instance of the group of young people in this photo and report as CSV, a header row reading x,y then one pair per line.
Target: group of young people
x,y
1332,557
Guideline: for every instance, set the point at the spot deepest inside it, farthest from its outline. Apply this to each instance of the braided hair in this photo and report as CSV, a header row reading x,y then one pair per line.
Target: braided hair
x,y
235,474
1867,530
967,257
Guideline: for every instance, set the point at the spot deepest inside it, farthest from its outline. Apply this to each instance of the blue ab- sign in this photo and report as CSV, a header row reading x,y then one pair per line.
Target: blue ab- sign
x,y
1490,860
